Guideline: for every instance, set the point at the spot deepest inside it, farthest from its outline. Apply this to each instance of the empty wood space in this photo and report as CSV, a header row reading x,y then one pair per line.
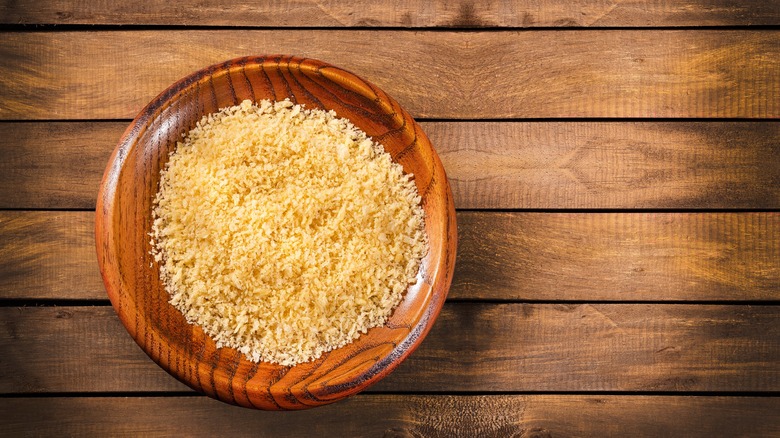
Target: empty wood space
x,y
553,347
489,164
629,73
397,415
502,256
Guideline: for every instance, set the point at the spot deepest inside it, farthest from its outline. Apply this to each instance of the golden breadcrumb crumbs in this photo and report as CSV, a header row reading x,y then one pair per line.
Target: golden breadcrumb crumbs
x,y
285,232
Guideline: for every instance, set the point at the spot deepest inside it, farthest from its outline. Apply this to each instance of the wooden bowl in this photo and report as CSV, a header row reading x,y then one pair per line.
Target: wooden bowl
x,y
123,224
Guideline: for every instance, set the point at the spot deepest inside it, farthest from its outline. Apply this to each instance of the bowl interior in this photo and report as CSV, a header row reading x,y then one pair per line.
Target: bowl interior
x,y
123,224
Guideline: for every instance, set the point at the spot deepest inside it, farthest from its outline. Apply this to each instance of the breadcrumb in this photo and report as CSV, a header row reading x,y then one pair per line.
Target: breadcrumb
x,y
285,232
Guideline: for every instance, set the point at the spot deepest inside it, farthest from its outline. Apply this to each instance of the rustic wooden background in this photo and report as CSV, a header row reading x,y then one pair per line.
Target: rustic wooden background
x,y
616,166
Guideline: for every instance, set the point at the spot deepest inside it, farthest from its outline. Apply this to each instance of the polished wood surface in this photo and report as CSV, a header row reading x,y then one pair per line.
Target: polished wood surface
x,y
123,224
615,167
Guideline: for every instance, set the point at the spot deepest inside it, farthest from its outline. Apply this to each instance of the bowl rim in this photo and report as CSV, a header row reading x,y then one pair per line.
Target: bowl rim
x,y
107,206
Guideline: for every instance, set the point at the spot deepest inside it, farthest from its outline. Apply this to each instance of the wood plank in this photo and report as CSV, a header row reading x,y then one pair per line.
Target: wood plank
x,y
401,416
617,257
630,73
489,164
610,164
49,255
54,165
472,348
398,13
501,256
63,337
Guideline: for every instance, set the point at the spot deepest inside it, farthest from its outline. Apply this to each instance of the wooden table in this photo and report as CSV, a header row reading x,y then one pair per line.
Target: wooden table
x,y
616,166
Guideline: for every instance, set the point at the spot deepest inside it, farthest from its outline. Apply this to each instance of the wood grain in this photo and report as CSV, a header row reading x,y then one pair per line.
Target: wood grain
x,y
472,347
630,73
401,416
489,164
54,165
727,257
610,164
85,347
52,359
398,13
609,256
49,255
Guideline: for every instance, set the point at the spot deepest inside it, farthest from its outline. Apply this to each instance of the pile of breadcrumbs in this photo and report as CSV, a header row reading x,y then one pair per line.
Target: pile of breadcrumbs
x,y
284,232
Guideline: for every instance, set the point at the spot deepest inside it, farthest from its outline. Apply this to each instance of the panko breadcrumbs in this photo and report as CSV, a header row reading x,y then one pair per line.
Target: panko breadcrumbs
x,y
285,232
